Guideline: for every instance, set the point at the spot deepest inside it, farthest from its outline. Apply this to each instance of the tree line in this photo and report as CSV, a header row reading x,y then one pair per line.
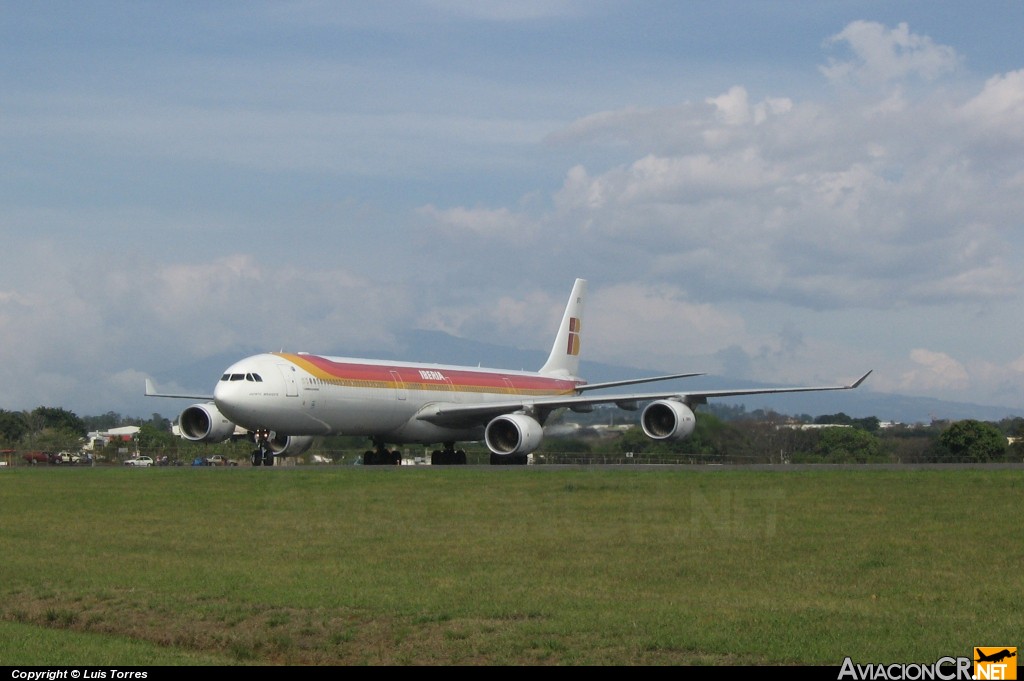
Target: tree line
x,y
731,435
723,434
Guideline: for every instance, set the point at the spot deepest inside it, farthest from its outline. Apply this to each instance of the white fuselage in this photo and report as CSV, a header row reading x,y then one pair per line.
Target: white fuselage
x,y
298,394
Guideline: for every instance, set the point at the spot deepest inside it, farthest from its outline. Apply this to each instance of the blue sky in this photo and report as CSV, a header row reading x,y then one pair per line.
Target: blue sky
x,y
783,191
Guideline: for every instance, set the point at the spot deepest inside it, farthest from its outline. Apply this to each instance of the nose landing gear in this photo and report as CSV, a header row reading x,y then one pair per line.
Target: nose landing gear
x,y
263,455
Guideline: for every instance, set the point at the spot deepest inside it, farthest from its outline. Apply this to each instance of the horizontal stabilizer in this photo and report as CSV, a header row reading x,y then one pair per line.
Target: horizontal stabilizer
x,y
152,392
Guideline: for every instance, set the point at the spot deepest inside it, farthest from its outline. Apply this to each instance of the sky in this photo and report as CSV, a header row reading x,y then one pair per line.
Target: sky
x,y
787,192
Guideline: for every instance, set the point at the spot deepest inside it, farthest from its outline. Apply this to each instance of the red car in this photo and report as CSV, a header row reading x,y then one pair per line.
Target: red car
x,y
36,457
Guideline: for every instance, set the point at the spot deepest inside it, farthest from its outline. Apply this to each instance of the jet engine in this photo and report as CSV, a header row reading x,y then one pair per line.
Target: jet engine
x,y
513,434
204,423
667,420
289,445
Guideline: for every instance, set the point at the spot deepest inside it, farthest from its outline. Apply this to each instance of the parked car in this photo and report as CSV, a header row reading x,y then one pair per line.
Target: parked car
x,y
139,461
37,457
200,461
67,457
220,460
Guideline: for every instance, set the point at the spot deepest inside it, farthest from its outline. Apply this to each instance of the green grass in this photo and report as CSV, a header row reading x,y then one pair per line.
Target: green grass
x,y
351,565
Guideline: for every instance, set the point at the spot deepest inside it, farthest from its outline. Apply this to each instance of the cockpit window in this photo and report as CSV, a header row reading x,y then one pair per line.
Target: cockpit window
x,y
252,378
237,377
226,377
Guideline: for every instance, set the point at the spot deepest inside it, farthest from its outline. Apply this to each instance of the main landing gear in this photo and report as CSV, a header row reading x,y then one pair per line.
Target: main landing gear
x,y
510,459
381,456
449,456
263,455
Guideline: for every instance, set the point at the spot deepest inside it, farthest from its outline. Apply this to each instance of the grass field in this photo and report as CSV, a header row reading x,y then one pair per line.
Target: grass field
x,y
506,565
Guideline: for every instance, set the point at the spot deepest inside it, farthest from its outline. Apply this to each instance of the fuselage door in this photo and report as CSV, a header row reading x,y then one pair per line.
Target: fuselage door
x,y
399,386
453,393
291,383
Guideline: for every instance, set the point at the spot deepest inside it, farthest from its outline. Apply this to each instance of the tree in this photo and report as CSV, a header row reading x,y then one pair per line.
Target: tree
x,y
975,441
848,445
99,423
58,419
572,445
634,440
56,439
1016,451
840,419
13,427
152,438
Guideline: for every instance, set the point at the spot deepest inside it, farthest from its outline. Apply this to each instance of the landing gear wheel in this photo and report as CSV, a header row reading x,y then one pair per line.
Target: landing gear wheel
x,y
448,456
509,459
381,455
263,455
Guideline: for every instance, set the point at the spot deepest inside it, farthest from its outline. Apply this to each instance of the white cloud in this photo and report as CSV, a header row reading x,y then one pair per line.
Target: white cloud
x,y
998,110
934,372
845,204
623,323
882,54
501,223
732,107
82,335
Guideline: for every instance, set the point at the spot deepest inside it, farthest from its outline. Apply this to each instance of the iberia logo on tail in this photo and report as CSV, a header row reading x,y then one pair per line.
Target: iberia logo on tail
x,y
574,337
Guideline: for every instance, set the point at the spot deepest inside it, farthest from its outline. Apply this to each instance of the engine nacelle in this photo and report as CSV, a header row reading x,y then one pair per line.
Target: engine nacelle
x,y
204,423
289,445
668,420
513,434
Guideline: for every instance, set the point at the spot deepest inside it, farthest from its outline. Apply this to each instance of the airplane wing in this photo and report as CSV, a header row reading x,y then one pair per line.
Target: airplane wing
x,y
632,381
463,415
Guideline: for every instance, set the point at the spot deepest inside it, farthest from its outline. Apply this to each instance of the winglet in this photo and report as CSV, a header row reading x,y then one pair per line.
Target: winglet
x,y
860,380
150,388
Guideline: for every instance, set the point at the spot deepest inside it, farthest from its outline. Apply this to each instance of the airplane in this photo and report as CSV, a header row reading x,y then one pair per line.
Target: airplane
x,y
285,400
994,657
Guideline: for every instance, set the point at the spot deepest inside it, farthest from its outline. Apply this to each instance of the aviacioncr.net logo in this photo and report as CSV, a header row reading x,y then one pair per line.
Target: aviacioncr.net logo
x,y
995,662
943,669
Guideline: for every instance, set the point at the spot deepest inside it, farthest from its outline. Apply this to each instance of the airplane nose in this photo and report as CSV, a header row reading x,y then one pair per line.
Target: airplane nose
x,y
228,394
221,391
233,389
242,392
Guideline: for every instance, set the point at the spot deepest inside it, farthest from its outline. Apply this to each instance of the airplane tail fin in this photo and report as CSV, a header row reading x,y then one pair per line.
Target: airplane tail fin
x,y
564,360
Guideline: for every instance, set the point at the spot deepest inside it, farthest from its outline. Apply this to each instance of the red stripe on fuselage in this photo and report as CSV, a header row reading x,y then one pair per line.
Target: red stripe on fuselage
x,y
427,377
